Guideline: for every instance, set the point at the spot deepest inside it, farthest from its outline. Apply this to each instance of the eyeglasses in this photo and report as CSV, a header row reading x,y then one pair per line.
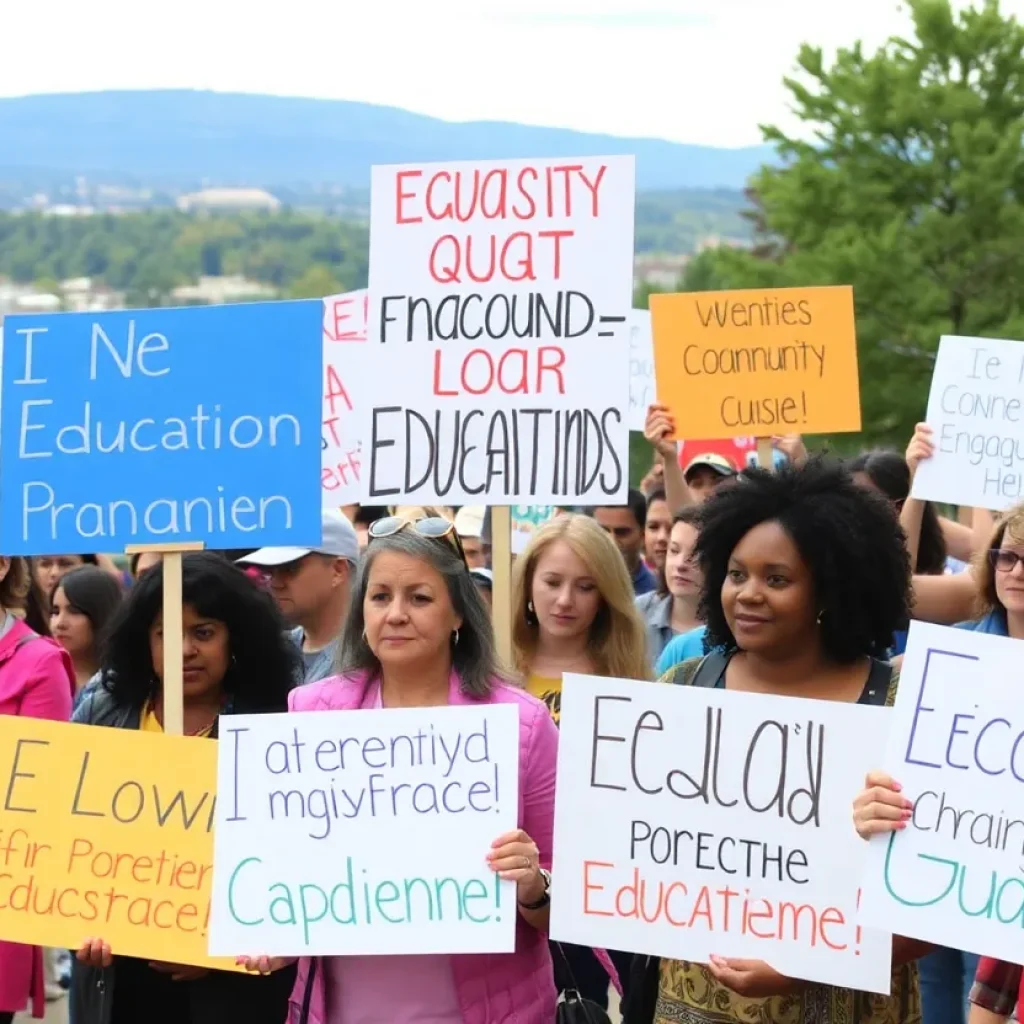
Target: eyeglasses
x,y
1004,561
431,527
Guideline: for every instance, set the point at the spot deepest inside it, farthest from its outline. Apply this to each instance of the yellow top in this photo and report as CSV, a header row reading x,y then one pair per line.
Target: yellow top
x,y
150,723
549,690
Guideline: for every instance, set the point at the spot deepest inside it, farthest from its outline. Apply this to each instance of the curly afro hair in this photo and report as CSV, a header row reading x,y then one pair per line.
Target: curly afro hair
x,y
849,538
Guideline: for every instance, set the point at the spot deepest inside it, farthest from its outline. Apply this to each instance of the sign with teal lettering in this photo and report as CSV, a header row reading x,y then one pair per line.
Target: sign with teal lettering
x,y
953,874
161,426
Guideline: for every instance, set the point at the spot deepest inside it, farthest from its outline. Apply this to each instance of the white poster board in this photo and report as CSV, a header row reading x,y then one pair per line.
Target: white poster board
x,y
642,388
976,410
344,380
693,822
500,293
364,832
955,875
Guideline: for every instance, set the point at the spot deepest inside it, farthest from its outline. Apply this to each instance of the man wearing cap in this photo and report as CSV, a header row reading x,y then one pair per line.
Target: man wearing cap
x,y
704,473
312,587
469,525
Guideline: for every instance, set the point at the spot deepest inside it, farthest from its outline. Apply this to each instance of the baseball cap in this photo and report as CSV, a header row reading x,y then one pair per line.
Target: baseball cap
x,y
713,461
469,520
484,576
339,541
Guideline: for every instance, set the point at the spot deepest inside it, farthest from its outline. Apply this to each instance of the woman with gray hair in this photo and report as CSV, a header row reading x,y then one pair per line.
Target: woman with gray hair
x,y
419,635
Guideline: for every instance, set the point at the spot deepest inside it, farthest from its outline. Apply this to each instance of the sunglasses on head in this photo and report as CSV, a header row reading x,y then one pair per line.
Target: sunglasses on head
x,y
431,527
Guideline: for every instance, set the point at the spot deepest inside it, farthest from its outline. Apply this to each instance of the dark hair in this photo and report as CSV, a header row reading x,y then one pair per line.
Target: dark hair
x,y
16,585
473,656
635,502
37,615
658,494
889,472
264,660
366,514
93,592
848,537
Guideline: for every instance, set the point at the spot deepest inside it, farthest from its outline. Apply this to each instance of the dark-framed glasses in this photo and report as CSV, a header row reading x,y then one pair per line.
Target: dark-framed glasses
x,y
431,527
1004,561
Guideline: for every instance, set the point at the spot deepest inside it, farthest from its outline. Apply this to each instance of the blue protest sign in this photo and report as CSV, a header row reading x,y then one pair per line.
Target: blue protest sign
x,y
160,426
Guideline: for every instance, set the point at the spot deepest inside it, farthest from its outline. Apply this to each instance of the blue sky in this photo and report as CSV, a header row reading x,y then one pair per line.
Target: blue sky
x,y
703,71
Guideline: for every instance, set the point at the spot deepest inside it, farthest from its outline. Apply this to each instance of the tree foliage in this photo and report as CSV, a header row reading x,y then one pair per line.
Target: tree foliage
x,y
910,189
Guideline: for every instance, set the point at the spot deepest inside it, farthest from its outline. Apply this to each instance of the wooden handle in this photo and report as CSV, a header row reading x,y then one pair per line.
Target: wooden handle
x,y
765,456
173,696
501,568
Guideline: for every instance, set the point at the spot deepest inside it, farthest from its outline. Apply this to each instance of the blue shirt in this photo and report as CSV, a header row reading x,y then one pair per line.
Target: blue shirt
x,y
679,648
644,581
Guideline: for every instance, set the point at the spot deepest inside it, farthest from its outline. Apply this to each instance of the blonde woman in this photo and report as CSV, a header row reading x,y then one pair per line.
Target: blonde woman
x,y
573,610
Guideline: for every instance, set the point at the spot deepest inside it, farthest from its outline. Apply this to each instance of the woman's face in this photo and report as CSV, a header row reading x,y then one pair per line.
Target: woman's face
x,y
682,574
1010,581
408,613
656,533
564,593
768,593
70,627
206,652
49,570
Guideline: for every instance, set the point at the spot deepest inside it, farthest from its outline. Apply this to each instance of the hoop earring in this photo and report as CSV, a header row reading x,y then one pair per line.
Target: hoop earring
x,y
455,638
821,615
531,614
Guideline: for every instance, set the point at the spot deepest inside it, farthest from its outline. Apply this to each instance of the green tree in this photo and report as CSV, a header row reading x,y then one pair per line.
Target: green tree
x,y
315,283
911,190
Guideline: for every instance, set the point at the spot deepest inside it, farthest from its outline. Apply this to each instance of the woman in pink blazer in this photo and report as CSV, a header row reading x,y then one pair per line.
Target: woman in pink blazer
x,y
419,635
37,681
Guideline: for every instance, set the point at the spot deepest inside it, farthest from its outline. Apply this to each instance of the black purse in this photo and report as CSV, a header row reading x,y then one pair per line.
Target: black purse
x,y
574,1009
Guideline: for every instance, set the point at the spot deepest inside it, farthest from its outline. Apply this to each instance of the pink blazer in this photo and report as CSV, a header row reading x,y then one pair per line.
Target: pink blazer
x,y
36,680
491,988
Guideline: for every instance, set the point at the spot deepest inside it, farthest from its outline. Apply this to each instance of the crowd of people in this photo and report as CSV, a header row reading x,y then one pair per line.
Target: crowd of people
x,y
799,580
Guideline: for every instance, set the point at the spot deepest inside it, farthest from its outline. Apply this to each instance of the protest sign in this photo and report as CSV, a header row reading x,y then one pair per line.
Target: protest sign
x,y
691,822
760,362
365,832
500,293
344,355
642,389
976,413
161,426
525,520
108,833
956,745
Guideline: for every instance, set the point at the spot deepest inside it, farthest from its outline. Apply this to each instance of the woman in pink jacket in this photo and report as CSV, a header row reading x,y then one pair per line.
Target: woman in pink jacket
x,y
36,680
418,635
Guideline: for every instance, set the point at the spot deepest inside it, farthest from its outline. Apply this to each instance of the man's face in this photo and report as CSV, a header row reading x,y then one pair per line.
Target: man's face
x,y
656,533
625,531
476,552
702,480
302,588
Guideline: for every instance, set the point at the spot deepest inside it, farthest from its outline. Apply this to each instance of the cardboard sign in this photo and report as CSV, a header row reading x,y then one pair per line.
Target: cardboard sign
x,y
108,833
344,357
976,411
365,832
642,388
692,822
781,361
499,301
956,745
161,425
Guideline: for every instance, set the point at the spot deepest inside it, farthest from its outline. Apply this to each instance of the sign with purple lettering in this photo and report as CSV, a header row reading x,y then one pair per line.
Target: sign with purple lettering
x,y
976,412
955,874
693,822
364,832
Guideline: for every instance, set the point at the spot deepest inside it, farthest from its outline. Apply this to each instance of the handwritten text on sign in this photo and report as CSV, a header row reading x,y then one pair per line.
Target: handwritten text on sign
x,y
344,353
977,415
106,832
500,296
365,832
153,426
757,362
691,822
955,875
642,389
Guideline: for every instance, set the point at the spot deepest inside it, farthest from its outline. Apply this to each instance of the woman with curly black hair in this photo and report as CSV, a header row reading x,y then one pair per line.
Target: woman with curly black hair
x,y
238,659
806,577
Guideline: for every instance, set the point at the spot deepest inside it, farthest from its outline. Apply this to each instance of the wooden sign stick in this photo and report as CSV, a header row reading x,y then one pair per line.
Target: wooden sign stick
x,y
174,663
765,457
501,568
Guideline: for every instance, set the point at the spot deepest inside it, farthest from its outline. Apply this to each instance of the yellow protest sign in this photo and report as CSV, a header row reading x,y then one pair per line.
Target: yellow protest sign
x,y
107,833
757,363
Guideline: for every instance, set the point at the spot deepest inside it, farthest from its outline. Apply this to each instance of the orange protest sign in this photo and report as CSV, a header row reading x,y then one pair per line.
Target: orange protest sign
x,y
107,833
757,363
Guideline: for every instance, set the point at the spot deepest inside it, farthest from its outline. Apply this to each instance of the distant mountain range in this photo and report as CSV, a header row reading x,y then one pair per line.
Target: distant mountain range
x,y
182,137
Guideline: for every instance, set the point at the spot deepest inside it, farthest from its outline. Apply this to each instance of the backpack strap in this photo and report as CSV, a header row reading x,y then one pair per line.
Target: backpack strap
x,y
876,690
707,673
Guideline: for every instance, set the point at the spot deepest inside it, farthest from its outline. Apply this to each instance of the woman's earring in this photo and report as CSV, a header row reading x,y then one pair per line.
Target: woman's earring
x,y
455,637
821,615
531,614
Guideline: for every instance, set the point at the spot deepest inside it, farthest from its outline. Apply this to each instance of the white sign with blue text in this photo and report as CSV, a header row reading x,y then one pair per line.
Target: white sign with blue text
x,y
955,875
365,832
161,426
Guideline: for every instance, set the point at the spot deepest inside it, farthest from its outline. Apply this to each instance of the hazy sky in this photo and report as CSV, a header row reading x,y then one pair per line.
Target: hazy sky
x,y
705,71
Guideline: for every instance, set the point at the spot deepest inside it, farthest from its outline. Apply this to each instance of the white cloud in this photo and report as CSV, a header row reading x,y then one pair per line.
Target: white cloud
x,y
704,71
